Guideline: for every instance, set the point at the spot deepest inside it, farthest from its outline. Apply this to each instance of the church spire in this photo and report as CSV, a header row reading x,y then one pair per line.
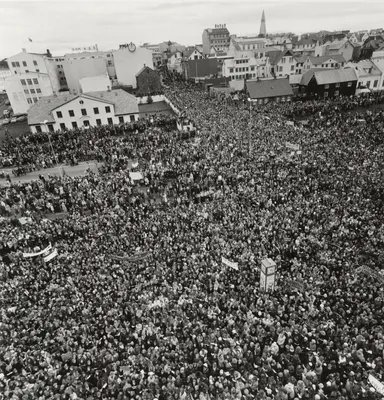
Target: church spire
x,y
263,28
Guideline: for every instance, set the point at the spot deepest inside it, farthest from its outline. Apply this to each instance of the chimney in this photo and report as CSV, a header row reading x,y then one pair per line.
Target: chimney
x,y
108,88
24,51
49,53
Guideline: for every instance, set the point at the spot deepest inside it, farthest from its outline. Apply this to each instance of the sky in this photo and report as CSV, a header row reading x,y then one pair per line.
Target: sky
x,y
60,25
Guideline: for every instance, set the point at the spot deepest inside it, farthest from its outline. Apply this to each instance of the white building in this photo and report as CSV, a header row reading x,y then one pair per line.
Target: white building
x,y
25,89
68,111
369,76
174,62
77,68
5,72
239,69
378,59
27,69
129,61
95,83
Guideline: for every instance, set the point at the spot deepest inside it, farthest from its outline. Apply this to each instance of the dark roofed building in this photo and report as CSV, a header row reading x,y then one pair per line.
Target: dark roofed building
x,y
148,80
268,90
328,83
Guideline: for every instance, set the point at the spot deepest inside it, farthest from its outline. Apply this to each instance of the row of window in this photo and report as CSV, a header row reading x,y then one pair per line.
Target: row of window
x,y
35,100
59,59
241,61
338,85
83,112
242,77
85,123
32,91
16,64
29,81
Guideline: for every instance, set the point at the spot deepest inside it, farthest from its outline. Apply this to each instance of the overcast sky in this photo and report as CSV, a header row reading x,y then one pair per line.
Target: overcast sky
x,y
59,25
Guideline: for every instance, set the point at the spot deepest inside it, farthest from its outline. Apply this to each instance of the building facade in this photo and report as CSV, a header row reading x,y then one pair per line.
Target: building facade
x,y
68,111
25,89
95,83
369,76
263,91
329,83
281,63
129,61
5,72
148,80
217,37
60,71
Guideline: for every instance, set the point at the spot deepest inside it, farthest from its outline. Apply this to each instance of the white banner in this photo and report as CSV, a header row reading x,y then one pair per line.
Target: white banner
x,y
28,255
230,263
136,176
292,146
50,256
376,384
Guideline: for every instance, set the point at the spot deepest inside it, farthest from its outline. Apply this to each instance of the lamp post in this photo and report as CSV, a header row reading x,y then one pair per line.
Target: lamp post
x,y
50,143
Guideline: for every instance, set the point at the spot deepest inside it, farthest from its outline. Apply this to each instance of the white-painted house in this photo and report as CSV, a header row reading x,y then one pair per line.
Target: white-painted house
x,y
68,111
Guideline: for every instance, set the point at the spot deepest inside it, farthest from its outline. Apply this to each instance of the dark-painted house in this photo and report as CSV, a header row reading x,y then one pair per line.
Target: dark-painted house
x,y
328,83
148,80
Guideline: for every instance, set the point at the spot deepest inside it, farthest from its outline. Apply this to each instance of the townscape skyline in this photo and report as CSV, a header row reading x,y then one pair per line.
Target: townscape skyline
x,y
110,24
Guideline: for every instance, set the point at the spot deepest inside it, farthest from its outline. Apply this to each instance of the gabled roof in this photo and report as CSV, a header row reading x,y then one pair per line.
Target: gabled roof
x,y
276,56
143,69
124,103
321,59
364,67
327,76
269,88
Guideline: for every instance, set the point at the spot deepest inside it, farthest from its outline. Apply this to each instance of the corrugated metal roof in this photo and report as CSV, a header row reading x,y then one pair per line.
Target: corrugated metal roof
x,y
123,102
321,59
269,88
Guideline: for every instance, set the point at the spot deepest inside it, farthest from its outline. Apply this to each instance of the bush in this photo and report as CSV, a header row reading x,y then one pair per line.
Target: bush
x,y
149,100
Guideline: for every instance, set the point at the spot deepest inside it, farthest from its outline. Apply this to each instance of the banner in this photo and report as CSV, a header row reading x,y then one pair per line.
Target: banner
x,y
292,146
376,384
230,263
28,255
134,258
136,176
49,257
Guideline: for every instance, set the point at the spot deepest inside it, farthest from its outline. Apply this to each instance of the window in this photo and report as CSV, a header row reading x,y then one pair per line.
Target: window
x,y
368,84
325,94
132,118
38,90
17,64
29,81
121,120
62,126
230,70
336,92
59,114
37,70
107,109
23,82
281,69
375,83
38,128
24,63
35,63
29,101
86,123
98,122
83,111
292,67
50,128
26,91
326,87
349,84
35,81
337,84
71,113
110,121
74,124
96,110
35,99
252,68
110,62
13,64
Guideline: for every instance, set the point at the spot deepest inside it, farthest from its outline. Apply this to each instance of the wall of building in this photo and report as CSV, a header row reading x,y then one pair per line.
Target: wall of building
x,y
128,64
22,96
30,60
76,69
4,74
95,83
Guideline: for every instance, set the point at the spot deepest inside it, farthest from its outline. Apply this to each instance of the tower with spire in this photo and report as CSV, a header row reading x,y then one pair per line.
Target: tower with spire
x,y
263,28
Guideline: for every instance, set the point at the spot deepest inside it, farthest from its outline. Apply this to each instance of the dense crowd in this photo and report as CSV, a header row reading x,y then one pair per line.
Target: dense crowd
x,y
179,324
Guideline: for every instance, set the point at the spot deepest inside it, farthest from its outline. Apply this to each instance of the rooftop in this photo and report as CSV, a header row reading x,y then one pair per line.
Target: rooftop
x,y
269,88
328,76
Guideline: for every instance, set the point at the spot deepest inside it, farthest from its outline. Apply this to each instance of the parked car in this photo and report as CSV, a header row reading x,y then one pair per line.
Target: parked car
x,y
22,118
13,120
6,121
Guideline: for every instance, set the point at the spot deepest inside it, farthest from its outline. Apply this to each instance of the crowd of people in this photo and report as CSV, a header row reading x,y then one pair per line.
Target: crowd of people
x,y
176,323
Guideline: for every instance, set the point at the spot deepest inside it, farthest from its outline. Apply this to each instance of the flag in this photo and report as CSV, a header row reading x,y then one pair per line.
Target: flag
x,y
30,40
230,263
28,255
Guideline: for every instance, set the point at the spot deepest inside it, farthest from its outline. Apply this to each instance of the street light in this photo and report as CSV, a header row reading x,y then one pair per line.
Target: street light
x,y
50,143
